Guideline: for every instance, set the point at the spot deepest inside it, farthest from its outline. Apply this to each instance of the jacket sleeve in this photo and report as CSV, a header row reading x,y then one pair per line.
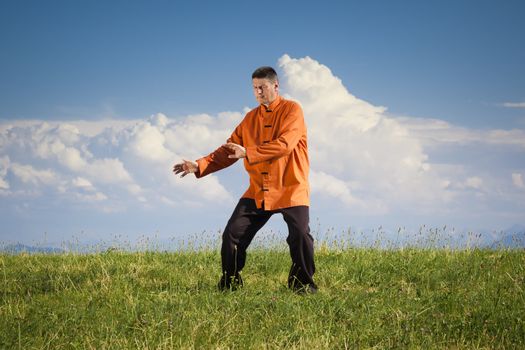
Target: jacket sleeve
x,y
218,159
292,130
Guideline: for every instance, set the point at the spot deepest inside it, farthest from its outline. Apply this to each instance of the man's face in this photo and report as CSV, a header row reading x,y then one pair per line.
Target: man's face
x,y
265,90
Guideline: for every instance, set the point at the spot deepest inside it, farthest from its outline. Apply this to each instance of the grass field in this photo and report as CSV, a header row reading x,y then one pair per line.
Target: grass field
x,y
368,298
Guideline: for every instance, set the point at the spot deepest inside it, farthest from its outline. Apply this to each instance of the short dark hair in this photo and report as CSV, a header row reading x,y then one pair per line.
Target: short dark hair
x,y
265,72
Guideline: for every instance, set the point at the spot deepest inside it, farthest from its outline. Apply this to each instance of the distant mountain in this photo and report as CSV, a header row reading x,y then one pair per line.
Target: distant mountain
x,y
513,237
516,228
510,241
22,248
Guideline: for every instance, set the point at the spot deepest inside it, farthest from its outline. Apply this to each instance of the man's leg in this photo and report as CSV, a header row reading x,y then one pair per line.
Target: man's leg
x,y
244,223
301,245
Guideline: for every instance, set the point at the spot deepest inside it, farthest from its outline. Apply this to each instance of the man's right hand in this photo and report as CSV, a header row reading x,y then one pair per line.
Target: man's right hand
x,y
186,167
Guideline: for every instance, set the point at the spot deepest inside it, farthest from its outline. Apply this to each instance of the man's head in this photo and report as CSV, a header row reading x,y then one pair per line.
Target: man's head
x,y
265,85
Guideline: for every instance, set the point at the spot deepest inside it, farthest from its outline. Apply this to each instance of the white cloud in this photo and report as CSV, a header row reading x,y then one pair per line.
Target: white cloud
x,y
514,104
434,133
133,156
30,175
357,142
83,183
108,171
148,141
323,94
4,165
517,180
195,191
91,197
331,186
364,161
198,135
474,182
64,146
506,137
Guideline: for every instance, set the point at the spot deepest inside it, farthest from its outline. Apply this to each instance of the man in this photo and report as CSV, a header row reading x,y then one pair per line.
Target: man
x,y
272,141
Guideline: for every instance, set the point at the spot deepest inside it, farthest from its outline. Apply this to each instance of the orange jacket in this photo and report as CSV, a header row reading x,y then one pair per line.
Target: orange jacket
x,y
276,155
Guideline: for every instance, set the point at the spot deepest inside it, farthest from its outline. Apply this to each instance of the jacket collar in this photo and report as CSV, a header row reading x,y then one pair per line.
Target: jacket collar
x,y
273,105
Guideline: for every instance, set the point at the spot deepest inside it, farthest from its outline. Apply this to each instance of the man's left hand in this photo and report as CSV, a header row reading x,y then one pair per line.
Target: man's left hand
x,y
238,150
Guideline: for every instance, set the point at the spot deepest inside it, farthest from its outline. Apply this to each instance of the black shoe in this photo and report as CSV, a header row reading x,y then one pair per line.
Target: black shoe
x,y
230,282
302,289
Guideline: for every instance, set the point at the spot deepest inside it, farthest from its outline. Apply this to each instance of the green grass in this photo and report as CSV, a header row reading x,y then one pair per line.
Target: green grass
x,y
368,298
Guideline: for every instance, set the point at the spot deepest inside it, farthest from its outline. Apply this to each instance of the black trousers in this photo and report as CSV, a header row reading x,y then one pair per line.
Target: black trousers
x,y
244,223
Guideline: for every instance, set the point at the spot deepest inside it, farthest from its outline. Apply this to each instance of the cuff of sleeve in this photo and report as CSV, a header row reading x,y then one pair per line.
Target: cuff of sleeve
x,y
202,164
251,154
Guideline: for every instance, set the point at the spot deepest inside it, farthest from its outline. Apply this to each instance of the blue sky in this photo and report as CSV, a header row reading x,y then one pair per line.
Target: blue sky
x,y
449,73
456,60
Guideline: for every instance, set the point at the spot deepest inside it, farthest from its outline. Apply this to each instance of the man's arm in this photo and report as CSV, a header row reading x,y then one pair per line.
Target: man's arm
x,y
238,150
217,160
186,167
